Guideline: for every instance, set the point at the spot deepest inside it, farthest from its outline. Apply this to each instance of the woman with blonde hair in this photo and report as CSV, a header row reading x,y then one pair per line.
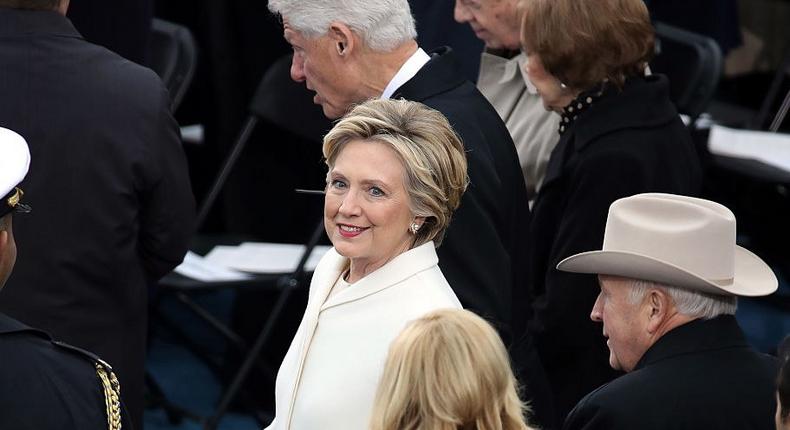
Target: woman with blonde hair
x,y
397,171
448,370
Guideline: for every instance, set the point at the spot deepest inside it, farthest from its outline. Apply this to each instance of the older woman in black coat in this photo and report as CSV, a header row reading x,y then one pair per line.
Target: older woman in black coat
x,y
620,135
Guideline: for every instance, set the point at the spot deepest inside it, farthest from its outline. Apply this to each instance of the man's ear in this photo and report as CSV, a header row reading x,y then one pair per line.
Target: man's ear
x,y
63,7
3,243
343,38
657,305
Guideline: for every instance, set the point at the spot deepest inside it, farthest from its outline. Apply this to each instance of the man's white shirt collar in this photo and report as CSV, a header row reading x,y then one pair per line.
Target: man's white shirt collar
x,y
406,72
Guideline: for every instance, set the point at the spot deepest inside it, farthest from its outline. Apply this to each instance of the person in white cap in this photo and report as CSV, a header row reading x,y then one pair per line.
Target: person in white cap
x,y
115,210
44,384
669,273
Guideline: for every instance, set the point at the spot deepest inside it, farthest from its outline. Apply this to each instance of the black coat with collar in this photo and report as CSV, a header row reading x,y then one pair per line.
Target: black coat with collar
x,y
112,204
48,385
625,143
483,255
701,375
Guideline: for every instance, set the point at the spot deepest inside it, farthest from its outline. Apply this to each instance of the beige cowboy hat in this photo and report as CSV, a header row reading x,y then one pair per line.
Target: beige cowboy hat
x,y
676,240
14,163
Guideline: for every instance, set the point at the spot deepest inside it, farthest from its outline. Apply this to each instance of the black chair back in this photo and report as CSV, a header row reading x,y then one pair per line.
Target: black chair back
x,y
288,104
173,57
693,64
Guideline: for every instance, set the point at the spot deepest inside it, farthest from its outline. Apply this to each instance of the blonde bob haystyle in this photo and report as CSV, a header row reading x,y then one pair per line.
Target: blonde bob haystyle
x,y
431,152
446,371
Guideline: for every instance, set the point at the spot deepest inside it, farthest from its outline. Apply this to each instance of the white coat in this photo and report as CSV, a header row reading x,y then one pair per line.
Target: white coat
x,y
329,376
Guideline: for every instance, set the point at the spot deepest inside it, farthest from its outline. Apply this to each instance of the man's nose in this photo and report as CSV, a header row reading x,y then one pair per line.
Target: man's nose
x,y
297,68
596,314
460,14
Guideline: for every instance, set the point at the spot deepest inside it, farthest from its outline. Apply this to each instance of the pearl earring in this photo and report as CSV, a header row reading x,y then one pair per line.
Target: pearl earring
x,y
414,227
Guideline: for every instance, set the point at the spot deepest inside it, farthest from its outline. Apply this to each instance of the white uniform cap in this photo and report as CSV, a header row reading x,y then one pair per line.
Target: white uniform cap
x,y
14,163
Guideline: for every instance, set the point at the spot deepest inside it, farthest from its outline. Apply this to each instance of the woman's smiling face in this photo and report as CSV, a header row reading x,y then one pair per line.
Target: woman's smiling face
x,y
367,211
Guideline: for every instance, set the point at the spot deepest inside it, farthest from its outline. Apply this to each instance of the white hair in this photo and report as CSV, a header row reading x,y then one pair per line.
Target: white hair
x,y
691,303
382,24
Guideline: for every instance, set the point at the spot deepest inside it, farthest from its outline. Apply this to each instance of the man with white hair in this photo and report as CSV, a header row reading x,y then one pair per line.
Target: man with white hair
x,y
353,50
669,273
504,81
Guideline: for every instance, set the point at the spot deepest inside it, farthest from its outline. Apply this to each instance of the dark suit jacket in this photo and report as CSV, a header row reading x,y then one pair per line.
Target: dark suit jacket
x,y
122,26
48,385
483,253
701,375
625,143
112,203
437,27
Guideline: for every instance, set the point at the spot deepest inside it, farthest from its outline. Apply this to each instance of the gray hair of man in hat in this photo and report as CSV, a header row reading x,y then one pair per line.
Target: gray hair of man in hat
x,y
666,260
14,163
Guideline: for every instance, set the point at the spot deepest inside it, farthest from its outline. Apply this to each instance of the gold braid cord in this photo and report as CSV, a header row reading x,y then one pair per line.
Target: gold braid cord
x,y
112,396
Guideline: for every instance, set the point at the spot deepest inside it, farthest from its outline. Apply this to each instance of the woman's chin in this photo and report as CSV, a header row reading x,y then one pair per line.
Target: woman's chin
x,y
346,249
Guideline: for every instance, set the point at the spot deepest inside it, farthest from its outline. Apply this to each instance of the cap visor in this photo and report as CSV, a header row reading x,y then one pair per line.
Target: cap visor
x,y
22,208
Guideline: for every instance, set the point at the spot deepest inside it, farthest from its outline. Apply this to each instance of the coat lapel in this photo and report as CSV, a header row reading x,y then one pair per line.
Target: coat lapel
x,y
323,280
320,286
437,76
559,156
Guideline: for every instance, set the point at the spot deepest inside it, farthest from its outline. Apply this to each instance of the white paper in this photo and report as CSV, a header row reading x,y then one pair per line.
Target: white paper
x,y
260,257
197,267
222,256
770,148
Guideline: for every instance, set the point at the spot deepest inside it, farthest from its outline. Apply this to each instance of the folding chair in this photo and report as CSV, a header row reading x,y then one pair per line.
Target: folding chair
x,y
173,57
773,94
275,100
693,64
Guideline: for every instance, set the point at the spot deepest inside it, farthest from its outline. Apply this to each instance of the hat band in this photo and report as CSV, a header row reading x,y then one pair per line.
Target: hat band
x,y
722,282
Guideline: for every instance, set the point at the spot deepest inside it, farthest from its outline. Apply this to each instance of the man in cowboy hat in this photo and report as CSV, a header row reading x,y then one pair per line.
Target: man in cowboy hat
x,y
44,384
669,273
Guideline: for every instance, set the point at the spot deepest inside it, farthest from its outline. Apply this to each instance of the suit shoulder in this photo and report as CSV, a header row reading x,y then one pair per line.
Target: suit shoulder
x,y
110,59
110,73
67,382
610,406
621,392
463,103
27,354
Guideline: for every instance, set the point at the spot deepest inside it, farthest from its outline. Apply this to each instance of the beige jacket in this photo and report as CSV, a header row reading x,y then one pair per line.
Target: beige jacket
x,y
505,84
329,376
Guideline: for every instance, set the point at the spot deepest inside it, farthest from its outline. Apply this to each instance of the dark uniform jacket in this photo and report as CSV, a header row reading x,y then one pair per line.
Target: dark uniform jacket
x,y
483,255
50,385
701,375
112,204
625,143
